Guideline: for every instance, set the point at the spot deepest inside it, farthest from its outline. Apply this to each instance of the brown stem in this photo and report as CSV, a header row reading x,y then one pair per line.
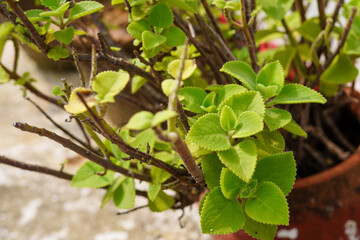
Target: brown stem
x,y
81,151
35,168
24,19
336,13
322,17
182,116
213,20
300,7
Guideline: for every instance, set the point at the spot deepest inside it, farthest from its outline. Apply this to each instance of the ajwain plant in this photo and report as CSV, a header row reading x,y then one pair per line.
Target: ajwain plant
x,y
212,107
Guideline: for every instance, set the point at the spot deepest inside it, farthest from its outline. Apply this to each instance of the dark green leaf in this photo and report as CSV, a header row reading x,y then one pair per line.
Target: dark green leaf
x,y
161,203
241,71
124,195
86,176
230,184
211,166
175,37
161,15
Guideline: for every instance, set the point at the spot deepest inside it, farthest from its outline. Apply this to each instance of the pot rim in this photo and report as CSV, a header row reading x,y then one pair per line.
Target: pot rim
x,y
330,173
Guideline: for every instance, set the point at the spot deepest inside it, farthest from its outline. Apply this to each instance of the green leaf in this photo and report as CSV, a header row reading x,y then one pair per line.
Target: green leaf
x,y
5,29
259,230
57,91
4,77
65,36
115,2
168,86
220,215
124,195
189,68
52,4
279,169
202,201
270,79
351,45
340,71
242,72
229,90
161,203
196,150
136,2
151,40
210,100
188,5
276,8
192,98
228,119
246,101
108,84
84,8
240,159
161,15
158,175
208,134
249,123
58,52
276,118
294,128
135,29
268,205
174,37
230,184
34,15
111,189
268,142
286,56
86,176
296,93
75,105
59,12
211,166
141,120
143,140
154,189
162,117
310,29
136,83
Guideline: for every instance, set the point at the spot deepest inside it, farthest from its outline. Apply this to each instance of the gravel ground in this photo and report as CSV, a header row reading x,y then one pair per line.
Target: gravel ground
x,y
41,207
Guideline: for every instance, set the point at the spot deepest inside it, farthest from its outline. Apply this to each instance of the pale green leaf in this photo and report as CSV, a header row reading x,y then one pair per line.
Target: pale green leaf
x,y
259,230
160,15
294,128
286,56
65,36
52,4
140,120
158,175
58,52
310,29
249,123
34,15
296,93
230,184
241,71
5,29
188,5
208,134
161,203
58,12
271,79
245,101
268,205
211,166
340,71
192,98
111,189
86,176
240,159
84,8
275,8
124,195
279,169
136,83
108,84
4,76
136,28
228,119
175,37
229,90
276,118
162,117
75,105
143,140
196,150
168,86
154,190
151,40
189,68
220,215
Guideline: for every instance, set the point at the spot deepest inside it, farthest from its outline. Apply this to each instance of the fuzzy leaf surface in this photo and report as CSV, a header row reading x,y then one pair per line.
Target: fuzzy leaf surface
x,y
269,142
268,205
276,118
84,8
242,72
279,169
295,128
249,123
108,84
296,93
229,90
228,119
220,215
65,36
240,159
136,28
160,15
270,77
151,40
163,116
192,98
259,230
208,133
175,37
189,68
230,184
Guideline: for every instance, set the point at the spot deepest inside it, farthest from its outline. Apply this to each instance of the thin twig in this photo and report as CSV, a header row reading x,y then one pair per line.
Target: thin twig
x,y
93,65
336,13
322,17
78,68
24,19
132,210
301,9
35,168
81,151
213,20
